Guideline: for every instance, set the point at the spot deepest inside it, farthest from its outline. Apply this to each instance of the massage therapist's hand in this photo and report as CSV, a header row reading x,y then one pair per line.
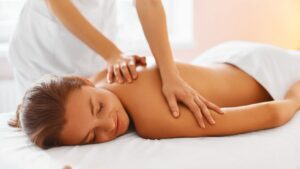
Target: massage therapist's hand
x,y
123,69
175,88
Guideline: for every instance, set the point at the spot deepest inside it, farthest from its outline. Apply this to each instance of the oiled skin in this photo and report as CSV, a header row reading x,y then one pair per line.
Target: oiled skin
x,y
223,84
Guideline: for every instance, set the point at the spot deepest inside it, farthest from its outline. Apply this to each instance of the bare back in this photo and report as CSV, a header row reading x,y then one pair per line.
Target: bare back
x,y
222,84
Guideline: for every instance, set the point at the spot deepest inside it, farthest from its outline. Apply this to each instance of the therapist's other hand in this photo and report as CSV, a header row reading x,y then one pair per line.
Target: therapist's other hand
x,y
175,88
123,69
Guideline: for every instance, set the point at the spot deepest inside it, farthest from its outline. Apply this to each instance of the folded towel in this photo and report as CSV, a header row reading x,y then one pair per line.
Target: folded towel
x,y
276,69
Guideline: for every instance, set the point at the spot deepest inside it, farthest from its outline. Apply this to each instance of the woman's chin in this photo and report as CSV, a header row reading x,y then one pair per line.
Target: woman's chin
x,y
123,124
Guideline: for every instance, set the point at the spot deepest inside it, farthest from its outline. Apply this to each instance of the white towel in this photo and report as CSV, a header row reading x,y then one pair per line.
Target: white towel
x,y
276,69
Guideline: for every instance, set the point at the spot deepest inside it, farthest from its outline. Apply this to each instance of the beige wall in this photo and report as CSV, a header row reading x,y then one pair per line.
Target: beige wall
x,y
270,21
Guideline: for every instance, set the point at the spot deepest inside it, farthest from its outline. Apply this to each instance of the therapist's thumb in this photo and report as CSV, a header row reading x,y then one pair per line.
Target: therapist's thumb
x,y
172,102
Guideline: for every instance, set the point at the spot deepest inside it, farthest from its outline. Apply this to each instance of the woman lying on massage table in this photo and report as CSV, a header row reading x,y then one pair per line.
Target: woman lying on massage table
x,y
61,111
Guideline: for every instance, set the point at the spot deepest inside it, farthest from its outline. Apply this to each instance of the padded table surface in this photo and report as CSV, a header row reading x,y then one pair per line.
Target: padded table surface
x,y
274,148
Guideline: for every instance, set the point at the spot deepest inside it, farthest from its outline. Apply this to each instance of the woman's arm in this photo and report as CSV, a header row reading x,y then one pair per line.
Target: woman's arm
x,y
239,119
120,68
72,19
236,120
153,19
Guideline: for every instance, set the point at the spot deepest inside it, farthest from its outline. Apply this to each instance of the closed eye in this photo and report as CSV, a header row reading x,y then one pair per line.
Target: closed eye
x,y
100,108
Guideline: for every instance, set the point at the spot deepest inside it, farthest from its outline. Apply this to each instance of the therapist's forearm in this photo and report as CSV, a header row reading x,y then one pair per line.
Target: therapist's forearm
x,y
153,19
72,19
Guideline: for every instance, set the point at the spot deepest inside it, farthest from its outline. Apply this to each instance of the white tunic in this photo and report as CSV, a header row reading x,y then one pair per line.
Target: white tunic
x,y
276,69
42,45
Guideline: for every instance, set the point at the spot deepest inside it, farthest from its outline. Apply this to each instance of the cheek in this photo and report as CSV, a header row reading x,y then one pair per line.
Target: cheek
x,y
101,138
76,125
125,121
112,103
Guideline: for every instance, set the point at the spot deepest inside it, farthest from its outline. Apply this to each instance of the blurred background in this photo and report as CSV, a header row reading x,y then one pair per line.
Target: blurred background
x,y
194,26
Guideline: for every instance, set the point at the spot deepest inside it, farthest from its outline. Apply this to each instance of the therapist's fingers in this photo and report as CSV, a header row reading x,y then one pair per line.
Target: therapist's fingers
x,y
172,102
212,106
215,108
125,72
132,69
110,74
205,110
193,106
117,73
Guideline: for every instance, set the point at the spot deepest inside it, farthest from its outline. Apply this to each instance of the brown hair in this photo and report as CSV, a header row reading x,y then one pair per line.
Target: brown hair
x,y
41,114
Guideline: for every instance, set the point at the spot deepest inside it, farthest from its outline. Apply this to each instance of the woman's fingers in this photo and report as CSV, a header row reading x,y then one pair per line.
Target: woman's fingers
x,y
110,74
124,69
172,102
212,105
192,105
125,72
215,108
205,110
132,69
117,73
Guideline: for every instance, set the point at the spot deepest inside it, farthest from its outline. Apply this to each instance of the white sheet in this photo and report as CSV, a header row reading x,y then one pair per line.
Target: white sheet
x,y
270,149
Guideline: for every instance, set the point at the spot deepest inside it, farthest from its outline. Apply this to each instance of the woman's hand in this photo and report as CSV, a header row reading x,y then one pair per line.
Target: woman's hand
x,y
153,19
123,69
175,88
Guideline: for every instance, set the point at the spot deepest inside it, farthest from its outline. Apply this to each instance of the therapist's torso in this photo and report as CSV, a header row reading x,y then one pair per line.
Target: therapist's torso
x,y
42,45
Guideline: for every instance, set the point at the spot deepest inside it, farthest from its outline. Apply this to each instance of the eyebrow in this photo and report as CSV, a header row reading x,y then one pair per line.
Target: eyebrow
x,y
83,141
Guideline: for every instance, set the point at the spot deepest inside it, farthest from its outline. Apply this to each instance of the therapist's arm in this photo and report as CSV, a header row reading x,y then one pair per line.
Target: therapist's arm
x,y
153,19
73,20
